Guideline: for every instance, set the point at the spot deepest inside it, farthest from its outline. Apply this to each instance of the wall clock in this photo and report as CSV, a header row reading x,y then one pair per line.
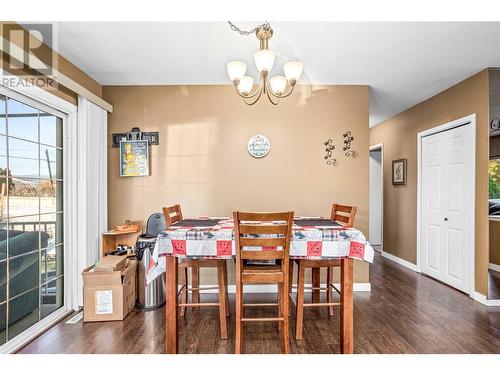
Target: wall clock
x,y
259,146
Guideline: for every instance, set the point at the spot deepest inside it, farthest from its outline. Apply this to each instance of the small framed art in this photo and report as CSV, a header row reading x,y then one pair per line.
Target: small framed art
x,y
399,172
134,158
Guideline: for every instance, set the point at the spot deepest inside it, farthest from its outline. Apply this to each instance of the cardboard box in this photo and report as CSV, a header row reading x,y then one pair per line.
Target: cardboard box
x,y
111,263
109,295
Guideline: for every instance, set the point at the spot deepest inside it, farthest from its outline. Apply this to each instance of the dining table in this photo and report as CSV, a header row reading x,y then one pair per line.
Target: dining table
x,y
213,238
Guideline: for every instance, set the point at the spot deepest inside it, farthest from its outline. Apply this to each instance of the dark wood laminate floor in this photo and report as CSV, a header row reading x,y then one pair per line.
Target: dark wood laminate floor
x,y
405,313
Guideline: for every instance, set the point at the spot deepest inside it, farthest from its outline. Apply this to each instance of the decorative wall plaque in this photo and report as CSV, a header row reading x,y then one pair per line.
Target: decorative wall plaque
x,y
259,146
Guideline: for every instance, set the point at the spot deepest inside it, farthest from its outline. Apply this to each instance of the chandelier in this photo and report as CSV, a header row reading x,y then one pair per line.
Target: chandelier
x,y
274,88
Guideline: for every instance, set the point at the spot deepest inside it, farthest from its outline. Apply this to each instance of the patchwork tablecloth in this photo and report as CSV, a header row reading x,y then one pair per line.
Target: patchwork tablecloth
x,y
311,242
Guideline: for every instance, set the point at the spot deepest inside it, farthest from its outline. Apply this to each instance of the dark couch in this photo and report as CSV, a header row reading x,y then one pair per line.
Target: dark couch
x,y
24,270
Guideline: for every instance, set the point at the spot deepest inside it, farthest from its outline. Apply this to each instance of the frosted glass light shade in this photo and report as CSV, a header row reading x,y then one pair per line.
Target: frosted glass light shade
x,y
236,70
264,59
293,70
245,85
278,84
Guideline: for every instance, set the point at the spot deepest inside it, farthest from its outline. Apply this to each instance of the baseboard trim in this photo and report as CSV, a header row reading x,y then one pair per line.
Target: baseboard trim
x,y
494,267
481,298
400,261
357,287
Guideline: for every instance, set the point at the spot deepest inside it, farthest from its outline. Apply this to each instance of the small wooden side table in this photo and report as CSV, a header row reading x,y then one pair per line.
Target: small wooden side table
x,y
112,238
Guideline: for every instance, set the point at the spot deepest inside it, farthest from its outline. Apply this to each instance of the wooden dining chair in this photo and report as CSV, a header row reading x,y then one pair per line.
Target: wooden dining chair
x,y
345,216
262,237
173,215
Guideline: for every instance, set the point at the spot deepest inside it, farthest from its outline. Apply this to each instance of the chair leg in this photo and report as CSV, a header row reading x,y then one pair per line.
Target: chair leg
x,y
184,289
222,301
195,283
290,285
280,305
226,299
239,315
329,289
285,310
300,302
315,293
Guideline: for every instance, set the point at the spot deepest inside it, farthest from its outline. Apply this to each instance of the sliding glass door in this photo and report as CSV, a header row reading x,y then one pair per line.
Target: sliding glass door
x,y
31,215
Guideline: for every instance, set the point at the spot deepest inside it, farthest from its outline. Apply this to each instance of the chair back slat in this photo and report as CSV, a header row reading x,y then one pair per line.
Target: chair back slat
x,y
263,229
271,232
262,255
343,214
263,216
173,214
263,242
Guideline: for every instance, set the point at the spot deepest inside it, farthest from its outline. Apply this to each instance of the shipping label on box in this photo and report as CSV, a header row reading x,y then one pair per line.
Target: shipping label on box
x,y
104,302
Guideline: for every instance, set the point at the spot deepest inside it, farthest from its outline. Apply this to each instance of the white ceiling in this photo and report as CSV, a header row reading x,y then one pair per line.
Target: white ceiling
x,y
403,63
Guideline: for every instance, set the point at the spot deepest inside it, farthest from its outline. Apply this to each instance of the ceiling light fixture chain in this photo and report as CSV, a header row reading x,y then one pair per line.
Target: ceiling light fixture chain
x,y
265,25
274,88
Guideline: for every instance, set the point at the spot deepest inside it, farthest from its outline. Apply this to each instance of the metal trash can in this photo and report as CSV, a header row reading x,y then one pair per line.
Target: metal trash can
x,y
151,296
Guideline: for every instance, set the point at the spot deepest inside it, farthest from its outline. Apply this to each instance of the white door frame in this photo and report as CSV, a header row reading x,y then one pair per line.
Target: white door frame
x,y
469,121
380,146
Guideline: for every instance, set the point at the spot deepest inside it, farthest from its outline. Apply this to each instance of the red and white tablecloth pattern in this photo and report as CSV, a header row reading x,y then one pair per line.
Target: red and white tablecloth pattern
x,y
311,242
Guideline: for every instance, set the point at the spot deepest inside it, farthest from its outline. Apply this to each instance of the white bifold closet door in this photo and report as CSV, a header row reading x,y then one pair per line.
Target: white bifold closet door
x,y
447,182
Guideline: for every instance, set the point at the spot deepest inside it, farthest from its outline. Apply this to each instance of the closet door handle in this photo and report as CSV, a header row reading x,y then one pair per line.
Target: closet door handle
x,y
445,219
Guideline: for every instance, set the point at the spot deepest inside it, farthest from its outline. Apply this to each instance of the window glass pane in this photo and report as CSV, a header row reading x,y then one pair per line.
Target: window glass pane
x,y
24,198
3,237
51,264
3,280
3,145
3,325
2,115
23,312
31,230
48,231
22,120
23,273
22,168
24,235
59,163
59,196
22,149
48,170
48,197
48,129
51,295
59,133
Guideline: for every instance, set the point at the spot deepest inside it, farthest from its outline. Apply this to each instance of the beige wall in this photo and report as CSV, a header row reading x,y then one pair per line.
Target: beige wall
x,y
399,137
202,160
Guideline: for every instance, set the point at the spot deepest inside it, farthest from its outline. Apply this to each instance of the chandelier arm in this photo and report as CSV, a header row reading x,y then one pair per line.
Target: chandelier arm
x,y
250,95
273,98
282,95
255,100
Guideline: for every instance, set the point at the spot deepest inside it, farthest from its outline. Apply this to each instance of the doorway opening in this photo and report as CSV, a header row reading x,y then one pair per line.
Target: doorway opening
x,y
376,196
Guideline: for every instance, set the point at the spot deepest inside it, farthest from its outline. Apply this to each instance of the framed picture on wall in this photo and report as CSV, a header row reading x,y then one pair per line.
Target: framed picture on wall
x,y
399,172
134,158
